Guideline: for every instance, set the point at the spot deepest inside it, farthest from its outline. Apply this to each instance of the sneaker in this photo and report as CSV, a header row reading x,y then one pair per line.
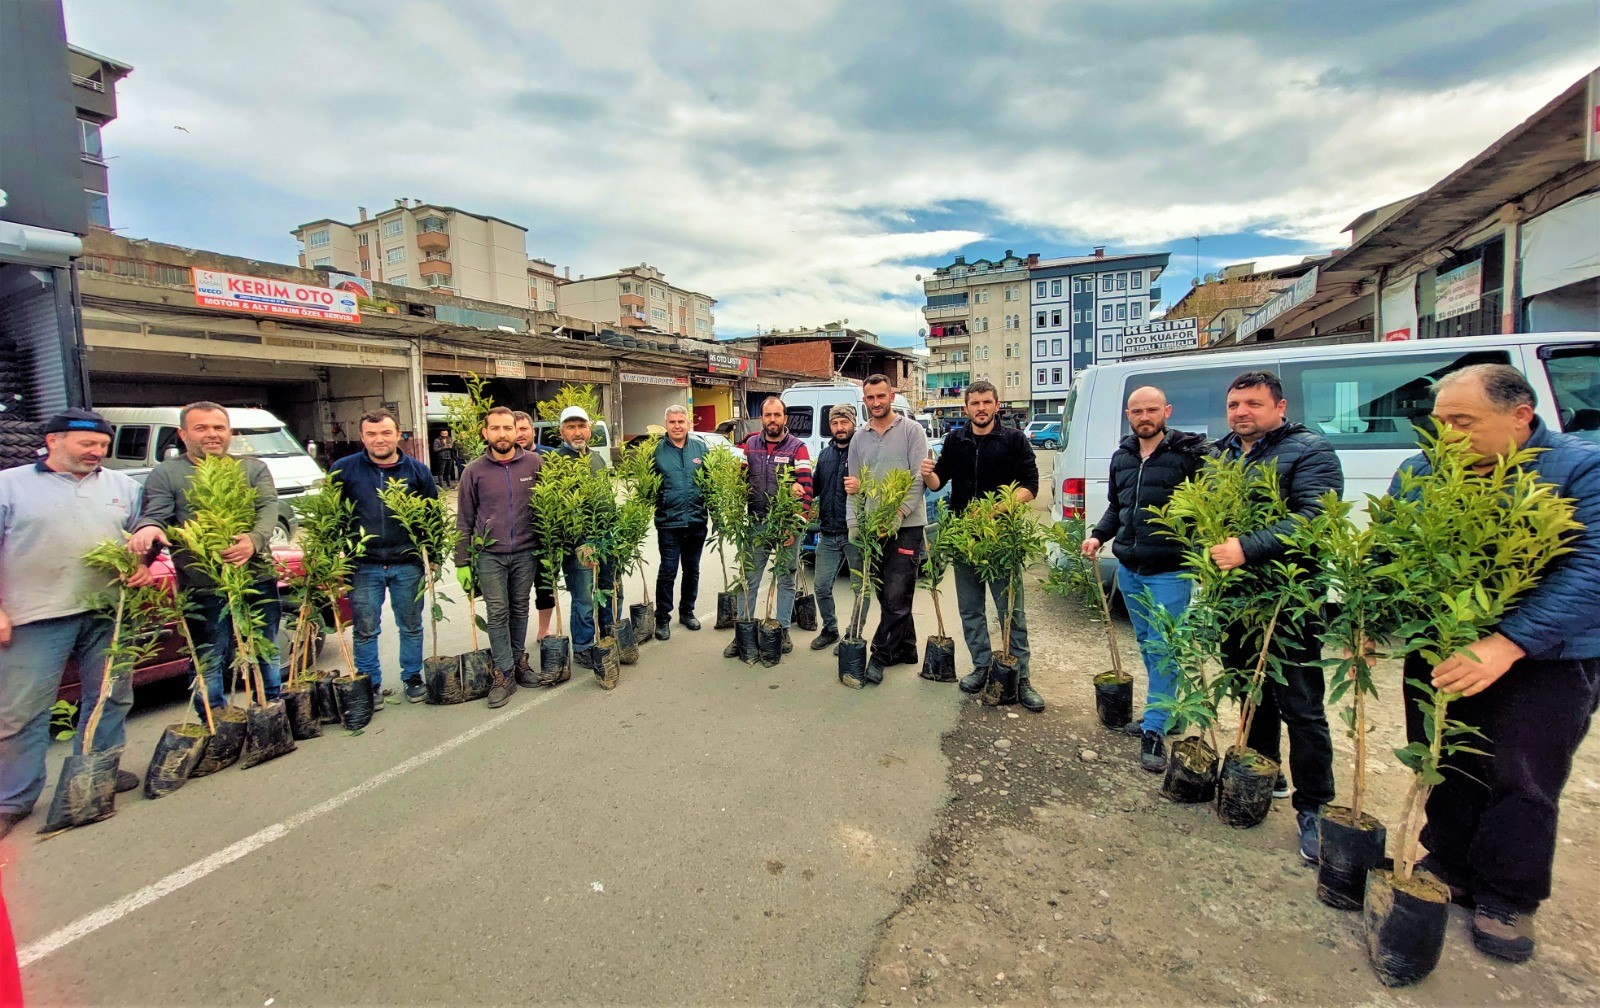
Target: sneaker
x,y
1029,697
127,780
1153,752
1309,844
853,681
788,645
663,629
1280,787
874,673
732,650
973,681
688,621
524,675
416,692
1503,933
829,635
1134,728
9,820
500,688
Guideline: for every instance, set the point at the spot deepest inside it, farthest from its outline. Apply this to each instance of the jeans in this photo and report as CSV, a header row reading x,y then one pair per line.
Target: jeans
x,y
505,580
1171,591
1491,826
1295,705
367,584
834,551
211,626
30,673
580,582
896,636
786,559
682,543
975,617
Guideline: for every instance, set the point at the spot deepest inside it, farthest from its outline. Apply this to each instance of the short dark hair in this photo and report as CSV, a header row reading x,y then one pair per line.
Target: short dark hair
x,y
203,406
981,385
500,411
520,415
1256,379
378,416
877,379
1503,384
771,398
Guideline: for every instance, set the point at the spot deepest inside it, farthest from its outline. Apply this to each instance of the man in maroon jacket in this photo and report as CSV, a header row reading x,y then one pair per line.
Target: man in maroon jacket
x,y
767,454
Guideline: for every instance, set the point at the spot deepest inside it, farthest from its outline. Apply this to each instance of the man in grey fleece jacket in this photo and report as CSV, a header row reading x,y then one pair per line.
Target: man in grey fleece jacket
x,y
890,441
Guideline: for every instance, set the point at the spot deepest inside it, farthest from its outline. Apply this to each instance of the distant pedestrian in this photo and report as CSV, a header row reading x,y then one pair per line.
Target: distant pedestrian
x,y
444,459
834,548
680,520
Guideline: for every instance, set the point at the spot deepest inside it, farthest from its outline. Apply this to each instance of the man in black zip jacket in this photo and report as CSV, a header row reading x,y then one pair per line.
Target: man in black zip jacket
x,y
1307,468
978,459
834,549
1147,466
390,563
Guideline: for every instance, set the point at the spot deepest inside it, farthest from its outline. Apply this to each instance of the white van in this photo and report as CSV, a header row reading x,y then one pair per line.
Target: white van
x,y
144,435
808,404
1364,398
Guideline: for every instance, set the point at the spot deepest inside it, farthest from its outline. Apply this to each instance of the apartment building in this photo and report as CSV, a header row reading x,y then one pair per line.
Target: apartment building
x,y
417,244
1079,307
977,316
542,284
639,298
94,95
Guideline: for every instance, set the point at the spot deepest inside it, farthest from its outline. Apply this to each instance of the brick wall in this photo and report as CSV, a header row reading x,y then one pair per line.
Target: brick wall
x,y
812,358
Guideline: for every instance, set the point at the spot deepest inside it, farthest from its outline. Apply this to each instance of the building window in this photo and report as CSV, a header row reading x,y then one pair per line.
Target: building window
x,y
1038,320
1039,376
1038,289
1077,315
1122,313
1105,344
99,208
431,224
89,141
366,265
1135,309
1038,348
1105,283
700,324
1077,285
1136,280
394,228
549,305
321,262
1122,281
1055,348
317,239
1055,376
1055,288
438,281
1055,318
1105,313
395,255
659,314
361,239
399,281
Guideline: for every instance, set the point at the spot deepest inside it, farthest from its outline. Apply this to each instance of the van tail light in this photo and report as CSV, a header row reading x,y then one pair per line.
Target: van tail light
x,y
1072,498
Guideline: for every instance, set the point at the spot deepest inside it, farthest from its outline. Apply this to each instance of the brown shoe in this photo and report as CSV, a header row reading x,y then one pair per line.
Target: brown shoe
x,y
524,673
1502,933
501,686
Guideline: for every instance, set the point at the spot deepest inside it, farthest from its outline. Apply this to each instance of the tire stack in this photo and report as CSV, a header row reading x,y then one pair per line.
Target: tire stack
x,y
20,438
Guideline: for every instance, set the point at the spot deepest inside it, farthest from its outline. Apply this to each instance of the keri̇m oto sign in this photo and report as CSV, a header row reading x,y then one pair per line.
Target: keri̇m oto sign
x,y
1165,336
273,297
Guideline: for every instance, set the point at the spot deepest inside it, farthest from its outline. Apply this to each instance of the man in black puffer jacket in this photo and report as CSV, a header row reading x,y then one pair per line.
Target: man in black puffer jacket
x,y
834,548
1307,468
1147,466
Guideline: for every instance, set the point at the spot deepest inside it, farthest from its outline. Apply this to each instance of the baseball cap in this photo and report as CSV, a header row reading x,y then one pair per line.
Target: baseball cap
x,y
77,420
574,413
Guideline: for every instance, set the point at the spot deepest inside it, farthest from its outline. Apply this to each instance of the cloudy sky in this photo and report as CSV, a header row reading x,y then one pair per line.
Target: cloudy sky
x,y
804,162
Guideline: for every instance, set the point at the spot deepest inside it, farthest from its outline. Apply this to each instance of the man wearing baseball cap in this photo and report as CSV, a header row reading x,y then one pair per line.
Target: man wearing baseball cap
x,y
580,561
51,514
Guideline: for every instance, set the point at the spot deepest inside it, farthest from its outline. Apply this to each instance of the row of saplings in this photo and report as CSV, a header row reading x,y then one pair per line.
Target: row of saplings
x,y
1433,569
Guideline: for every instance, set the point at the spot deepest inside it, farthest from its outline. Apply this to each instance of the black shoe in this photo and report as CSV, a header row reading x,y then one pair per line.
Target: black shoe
x,y
585,659
663,629
127,780
973,681
1134,728
9,820
1029,697
909,658
1280,786
874,674
788,645
1153,752
688,621
829,635
523,675
732,650
416,692
1310,845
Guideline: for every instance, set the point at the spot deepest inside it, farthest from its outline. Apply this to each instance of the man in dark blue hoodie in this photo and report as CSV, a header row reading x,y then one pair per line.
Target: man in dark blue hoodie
x,y
390,563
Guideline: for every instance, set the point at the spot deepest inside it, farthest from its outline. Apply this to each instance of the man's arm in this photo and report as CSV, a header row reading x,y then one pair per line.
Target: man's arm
x,y
1314,474
158,509
1110,523
1027,468
916,452
802,475
1567,598
266,510
466,515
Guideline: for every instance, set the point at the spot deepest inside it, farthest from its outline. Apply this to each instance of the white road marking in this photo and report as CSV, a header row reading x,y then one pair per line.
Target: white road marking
x,y
111,913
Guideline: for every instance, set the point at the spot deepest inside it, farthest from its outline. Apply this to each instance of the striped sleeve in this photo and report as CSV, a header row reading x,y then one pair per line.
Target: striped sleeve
x,y
802,473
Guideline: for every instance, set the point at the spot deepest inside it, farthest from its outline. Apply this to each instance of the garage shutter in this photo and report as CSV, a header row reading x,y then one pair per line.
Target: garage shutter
x,y
33,379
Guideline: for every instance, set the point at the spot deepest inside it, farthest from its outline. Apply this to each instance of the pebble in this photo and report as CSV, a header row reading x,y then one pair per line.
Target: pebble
x,y
976,778
1057,793
1002,743
1088,755
1060,916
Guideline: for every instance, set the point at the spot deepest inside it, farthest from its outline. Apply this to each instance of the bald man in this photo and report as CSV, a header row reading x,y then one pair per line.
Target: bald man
x,y
1148,465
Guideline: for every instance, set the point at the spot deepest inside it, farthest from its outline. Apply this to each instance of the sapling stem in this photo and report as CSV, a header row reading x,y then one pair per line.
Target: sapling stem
x,y
1105,611
105,674
1248,706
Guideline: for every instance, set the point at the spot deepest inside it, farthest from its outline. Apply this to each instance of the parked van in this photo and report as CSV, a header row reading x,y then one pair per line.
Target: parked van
x,y
808,404
144,435
1364,398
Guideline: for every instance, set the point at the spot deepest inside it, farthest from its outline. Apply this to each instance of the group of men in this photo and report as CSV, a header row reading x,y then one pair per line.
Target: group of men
x,y
1531,687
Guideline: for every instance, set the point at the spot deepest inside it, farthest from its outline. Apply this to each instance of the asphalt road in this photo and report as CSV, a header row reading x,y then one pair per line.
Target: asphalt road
x,y
708,832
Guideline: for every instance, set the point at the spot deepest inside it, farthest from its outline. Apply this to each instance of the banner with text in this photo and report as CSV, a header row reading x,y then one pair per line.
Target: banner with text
x,y
1164,336
273,297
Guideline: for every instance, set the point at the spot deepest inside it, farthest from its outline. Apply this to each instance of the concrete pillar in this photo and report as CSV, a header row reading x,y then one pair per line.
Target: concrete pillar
x,y
1511,216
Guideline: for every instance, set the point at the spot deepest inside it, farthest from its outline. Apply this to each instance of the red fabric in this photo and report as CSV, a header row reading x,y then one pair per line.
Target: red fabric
x,y
10,975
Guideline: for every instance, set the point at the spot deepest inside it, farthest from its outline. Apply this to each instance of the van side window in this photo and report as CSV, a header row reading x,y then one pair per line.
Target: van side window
x,y
167,437
1372,402
133,441
1199,397
1574,374
800,421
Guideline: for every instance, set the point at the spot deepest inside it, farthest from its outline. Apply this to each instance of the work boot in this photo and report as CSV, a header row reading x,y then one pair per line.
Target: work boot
x,y
127,780
874,674
1029,697
973,681
788,645
829,635
9,820
1153,752
688,621
1503,933
732,650
663,629
525,675
501,686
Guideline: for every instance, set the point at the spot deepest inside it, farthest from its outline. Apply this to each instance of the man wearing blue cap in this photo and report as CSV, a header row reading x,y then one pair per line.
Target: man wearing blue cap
x,y
51,514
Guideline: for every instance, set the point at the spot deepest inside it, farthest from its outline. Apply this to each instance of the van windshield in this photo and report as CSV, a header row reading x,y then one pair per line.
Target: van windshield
x,y
264,442
1574,374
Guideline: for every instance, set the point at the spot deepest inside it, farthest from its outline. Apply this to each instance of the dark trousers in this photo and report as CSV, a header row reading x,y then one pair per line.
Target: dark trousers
x,y
1491,826
211,626
682,544
1295,704
505,580
896,637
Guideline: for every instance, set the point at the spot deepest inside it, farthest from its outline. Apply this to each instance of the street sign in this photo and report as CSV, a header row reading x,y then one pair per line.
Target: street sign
x,y
1165,336
506,367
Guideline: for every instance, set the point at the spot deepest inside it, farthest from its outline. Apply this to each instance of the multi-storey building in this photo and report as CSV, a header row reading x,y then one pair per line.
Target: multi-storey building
x,y
639,298
1079,307
416,244
94,94
542,284
977,317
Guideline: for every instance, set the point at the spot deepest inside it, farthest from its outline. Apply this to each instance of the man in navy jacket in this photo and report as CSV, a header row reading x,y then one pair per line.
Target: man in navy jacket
x,y
390,564
1531,687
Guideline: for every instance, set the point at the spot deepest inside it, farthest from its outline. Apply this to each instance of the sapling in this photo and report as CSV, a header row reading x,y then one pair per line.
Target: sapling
x,y
776,531
582,396
640,485
878,500
724,481
135,615
1076,576
557,516
465,415
331,541
433,535
999,538
939,551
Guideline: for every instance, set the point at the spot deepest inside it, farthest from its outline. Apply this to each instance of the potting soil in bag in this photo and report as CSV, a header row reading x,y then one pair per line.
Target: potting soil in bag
x,y
555,660
1191,776
474,673
1405,925
627,643
300,702
853,659
727,610
769,642
86,791
177,751
1000,689
267,734
1113,699
805,612
223,745
746,636
939,660
643,620
1346,851
610,667
326,700
441,677
1244,788
355,701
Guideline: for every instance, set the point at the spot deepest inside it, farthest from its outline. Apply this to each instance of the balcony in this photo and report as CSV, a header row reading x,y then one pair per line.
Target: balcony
x,y
629,302
946,342
946,312
433,241
434,267
633,320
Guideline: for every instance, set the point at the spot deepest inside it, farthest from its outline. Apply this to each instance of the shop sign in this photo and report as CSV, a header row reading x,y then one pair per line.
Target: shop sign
x,y
649,379
719,362
1458,292
710,380
1165,336
234,292
505,367
1281,302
